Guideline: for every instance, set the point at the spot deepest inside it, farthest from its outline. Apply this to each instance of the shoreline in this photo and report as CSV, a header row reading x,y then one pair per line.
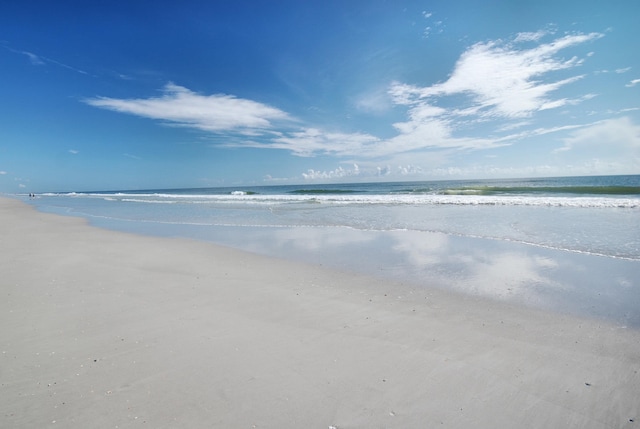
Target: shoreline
x,y
109,329
565,281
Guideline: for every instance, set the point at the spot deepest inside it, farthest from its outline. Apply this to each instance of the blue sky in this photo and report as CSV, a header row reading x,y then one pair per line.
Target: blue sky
x,y
141,94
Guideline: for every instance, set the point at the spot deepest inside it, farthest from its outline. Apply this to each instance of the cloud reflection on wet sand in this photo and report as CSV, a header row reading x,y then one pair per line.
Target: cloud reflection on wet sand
x,y
581,284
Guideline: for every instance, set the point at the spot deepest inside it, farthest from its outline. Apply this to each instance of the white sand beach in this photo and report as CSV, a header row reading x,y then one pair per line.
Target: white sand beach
x,y
102,329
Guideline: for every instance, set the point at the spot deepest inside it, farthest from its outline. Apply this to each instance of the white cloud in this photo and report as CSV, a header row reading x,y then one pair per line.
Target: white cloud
x,y
376,101
436,26
530,36
430,133
633,83
491,81
513,126
338,173
33,58
3,173
619,134
540,132
420,132
370,171
566,101
214,113
500,79
73,151
496,86
311,141
409,170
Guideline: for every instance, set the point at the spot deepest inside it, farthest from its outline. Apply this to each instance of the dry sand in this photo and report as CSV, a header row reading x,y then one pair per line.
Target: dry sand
x,y
100,329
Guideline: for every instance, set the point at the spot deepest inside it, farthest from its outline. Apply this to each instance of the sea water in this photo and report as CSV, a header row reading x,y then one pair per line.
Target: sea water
x,y
568,244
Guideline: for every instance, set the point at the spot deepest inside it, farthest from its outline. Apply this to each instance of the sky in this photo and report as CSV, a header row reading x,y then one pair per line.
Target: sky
x,y
119,95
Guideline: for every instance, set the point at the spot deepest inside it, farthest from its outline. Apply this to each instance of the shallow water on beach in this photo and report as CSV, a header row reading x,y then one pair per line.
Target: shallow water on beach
x,y
560,281
569,245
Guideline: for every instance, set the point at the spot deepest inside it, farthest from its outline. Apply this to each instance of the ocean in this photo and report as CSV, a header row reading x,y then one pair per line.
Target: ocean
x,y
569,244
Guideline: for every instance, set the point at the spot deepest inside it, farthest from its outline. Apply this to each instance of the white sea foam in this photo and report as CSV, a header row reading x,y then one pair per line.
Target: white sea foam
x,y
392,199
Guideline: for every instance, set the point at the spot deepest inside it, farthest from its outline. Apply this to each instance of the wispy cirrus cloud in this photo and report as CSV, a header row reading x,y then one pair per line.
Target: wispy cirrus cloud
x,y
33,58
40,60
633,83
182,107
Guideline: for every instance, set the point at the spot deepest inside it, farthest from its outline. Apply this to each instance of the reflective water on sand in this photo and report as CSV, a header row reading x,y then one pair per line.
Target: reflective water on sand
x,y
561,281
